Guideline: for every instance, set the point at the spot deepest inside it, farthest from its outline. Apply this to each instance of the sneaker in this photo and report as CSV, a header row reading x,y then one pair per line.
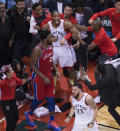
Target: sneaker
x,y
97,99
85,77
78,74
71,82
52,125
29,119
28,96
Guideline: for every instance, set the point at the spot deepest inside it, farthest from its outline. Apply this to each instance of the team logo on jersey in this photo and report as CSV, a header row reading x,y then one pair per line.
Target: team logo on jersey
x,y
80,109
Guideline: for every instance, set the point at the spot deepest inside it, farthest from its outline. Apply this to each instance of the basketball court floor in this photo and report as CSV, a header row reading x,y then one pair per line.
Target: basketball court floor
x,y
63,91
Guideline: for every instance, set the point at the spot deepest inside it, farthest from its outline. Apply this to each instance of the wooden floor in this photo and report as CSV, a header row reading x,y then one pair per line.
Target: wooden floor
x,y
104,119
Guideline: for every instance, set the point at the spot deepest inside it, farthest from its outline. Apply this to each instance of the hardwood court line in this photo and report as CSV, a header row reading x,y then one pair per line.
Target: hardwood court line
x,y
108,126
20,106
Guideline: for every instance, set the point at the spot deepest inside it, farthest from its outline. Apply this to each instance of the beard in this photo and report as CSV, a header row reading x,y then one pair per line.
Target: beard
x,y
76,96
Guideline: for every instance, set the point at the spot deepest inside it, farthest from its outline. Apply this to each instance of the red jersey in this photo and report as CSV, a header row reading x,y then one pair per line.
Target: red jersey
x,y
44,63
114,18
104,43
8,87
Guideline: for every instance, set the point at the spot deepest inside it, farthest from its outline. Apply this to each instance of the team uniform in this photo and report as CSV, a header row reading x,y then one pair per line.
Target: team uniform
x,y
64,54
83,115
44,65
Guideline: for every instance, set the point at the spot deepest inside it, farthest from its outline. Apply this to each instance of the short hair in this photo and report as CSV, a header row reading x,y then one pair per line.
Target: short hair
x,y
1,3
79,3
44,34
53,12
78,85
36,5
98,23
20,1
117,1
101,68
69,4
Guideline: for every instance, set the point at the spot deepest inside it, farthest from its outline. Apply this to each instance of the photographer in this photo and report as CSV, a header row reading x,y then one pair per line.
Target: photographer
x,y
21,91
8,103
20,19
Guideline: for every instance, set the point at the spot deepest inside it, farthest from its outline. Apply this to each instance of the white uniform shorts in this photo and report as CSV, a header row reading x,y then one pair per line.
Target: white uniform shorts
x,y
64,55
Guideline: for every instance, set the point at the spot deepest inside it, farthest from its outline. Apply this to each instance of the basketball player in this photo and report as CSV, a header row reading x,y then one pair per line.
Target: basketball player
x,y
41,64
63,53
84,108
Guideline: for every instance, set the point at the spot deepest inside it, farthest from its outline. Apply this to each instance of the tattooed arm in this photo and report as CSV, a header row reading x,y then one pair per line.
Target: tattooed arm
x,y
92,104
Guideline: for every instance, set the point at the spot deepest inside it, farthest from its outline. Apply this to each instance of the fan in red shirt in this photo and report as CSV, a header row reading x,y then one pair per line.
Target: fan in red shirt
x,y
114,15
8,102
107,47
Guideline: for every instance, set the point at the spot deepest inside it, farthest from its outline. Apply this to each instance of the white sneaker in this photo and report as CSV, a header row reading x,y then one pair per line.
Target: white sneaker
x,y
85,77
78,74
97,99
28,96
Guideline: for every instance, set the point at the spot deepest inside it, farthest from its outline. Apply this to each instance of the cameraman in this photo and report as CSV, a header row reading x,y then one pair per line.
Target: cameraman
x,y
8,103
20,19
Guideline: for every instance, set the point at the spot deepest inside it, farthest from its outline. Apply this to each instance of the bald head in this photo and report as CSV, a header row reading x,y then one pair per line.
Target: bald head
x,y
96,25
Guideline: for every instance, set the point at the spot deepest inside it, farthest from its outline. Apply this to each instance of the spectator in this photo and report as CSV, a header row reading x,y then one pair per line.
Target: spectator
x,y
8,102
107,47
6,38
114,14
38,19
82,15
58,5
20,19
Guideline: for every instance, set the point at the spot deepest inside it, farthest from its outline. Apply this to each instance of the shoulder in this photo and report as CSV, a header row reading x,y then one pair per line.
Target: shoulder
x,y
88,99
71,97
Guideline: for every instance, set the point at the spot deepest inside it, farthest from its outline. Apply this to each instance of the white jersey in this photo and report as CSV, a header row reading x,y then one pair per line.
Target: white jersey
x,y
83,112
58,32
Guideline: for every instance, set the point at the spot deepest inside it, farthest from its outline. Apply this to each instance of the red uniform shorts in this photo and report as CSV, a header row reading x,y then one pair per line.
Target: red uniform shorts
x,y
41,90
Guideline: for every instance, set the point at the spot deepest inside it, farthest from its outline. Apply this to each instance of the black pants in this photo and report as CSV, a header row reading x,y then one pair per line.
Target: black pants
x,y
82,56
114,113
10,111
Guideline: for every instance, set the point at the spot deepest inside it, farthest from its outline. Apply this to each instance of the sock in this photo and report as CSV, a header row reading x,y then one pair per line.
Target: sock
x,y
51,106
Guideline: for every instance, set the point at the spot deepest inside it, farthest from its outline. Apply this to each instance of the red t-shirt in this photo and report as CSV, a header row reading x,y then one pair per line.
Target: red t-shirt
x,y
114,18
8,87
104,43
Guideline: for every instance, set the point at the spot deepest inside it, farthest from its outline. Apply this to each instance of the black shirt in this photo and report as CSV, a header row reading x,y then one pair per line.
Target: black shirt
x,y
20,24
5,31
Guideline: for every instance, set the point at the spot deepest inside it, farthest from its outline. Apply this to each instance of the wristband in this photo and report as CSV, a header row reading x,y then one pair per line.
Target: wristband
x,y
91,123
69,117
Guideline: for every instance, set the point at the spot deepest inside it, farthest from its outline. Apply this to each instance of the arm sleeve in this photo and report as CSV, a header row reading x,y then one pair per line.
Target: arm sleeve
x,y
90,86
18,81
101,14
32,25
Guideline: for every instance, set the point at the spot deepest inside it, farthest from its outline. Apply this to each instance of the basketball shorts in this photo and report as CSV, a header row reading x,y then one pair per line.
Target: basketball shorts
x,y
41,91
64,55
